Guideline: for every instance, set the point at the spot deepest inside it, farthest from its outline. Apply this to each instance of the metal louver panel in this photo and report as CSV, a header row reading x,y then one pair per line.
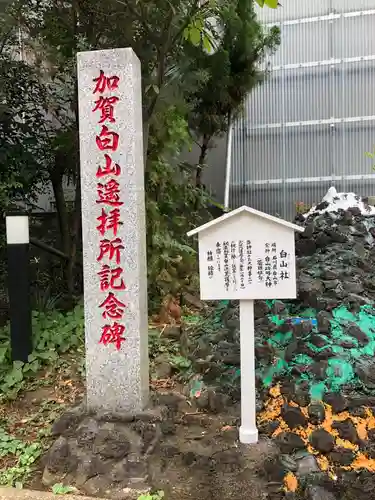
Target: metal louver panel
x,y
309,125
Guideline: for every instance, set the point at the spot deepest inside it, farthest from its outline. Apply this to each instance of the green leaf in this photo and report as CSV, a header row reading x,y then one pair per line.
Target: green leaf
x,y
272,3
60,489
207,44
199,24
18,365
186,33
195,36
3,353
47,355
15,376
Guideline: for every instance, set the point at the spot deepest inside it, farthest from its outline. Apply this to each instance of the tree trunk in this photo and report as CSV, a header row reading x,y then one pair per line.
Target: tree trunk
x,y
64,224
76,226
201,161
62,212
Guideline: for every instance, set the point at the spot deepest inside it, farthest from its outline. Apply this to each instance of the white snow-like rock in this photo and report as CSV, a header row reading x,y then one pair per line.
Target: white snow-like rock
x,y
341,201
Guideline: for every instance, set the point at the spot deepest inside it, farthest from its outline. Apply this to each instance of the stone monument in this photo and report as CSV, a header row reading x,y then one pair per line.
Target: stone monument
x,y
113,226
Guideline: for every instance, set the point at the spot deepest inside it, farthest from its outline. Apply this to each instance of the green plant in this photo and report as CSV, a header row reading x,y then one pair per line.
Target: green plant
x,y
60,489
152,496
372,157
273,4
174,203
301,207
180,362
225,78
25,455
44,301
54,333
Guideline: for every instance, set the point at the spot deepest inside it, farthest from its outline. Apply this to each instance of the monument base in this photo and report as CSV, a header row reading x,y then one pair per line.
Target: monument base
x,y
122,455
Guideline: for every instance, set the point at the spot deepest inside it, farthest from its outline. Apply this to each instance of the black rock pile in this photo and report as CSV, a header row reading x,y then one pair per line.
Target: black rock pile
x,y
336,260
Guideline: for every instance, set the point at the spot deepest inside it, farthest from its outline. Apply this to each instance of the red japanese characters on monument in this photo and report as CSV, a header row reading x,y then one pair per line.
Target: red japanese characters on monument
x,y
109,202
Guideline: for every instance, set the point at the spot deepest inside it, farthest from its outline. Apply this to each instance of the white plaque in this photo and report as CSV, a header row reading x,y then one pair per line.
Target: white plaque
x,y
247,255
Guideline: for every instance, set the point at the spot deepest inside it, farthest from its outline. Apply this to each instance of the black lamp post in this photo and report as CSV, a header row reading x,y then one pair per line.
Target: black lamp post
x,y
17,231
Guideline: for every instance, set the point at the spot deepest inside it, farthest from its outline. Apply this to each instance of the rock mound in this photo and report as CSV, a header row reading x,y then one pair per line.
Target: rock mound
x,y
170,447
336,258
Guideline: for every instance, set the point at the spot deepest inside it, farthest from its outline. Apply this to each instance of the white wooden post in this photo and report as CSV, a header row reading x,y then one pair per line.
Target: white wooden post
x,y
248,429
247,255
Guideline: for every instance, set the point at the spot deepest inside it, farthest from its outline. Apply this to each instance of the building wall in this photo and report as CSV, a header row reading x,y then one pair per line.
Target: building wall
x,y
309,126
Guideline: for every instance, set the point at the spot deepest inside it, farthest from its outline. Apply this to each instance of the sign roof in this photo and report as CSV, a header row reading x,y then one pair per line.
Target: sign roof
x,y
248,210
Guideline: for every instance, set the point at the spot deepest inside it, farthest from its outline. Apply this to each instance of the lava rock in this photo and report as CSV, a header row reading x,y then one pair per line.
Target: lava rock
x,y
274,469
269,428
368,449
346,430
365,369
288,389
87,468
318,340
289,463
293,416
289,442
228,353
336,236
171,332
69,420
330,274
309,231
353,287
291,350
59,458
322,205
261,309
322,441
356,332
309,284
319,369
277,307
307,465
342,456
348,344
217,401
347,218
87,432
355,211
317,413
305,247
324,354
110,443
318,493
163,367
331,284
336,401
322,240
359,412
302,395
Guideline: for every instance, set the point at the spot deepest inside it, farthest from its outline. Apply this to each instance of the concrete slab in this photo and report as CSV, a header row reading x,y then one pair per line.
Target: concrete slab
x,y
17,494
